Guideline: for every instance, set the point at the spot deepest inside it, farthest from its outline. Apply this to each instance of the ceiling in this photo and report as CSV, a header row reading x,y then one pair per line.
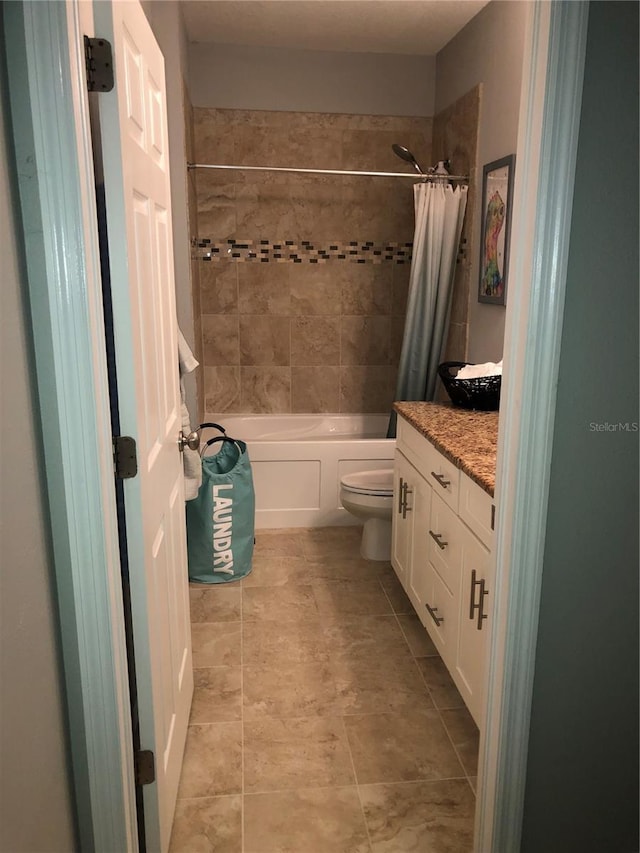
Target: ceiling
x,y
418,27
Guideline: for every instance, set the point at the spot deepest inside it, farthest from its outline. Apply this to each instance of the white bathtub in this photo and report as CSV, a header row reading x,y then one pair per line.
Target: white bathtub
x,y
298,460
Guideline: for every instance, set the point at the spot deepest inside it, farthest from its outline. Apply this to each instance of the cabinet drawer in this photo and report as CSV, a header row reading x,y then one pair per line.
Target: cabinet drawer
x,y
439,615
414,446
443,541
444,478
476,509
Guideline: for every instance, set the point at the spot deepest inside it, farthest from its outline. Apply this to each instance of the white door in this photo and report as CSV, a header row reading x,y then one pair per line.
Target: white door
x,y
136,170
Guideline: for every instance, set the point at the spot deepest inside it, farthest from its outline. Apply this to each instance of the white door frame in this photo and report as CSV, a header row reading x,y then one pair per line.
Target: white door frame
x,y
56,184
50,119
551,100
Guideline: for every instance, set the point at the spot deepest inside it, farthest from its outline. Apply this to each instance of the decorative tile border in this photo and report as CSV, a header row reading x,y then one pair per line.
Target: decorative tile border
x,y
290,252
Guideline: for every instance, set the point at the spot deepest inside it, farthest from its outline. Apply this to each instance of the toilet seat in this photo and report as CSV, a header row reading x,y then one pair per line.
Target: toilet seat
x,y
375,483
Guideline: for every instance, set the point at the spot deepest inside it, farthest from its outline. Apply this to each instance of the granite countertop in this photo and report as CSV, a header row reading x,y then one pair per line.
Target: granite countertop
x,y
468,438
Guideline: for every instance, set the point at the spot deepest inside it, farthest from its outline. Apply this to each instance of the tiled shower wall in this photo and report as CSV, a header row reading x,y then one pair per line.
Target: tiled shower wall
x,y
302,331
455,136
192,212
300,304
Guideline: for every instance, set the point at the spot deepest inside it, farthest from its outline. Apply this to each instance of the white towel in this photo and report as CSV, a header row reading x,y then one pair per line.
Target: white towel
x,y
190,458
476,371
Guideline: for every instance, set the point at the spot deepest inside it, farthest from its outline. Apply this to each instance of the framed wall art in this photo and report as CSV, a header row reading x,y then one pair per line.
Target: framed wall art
x,y
497,196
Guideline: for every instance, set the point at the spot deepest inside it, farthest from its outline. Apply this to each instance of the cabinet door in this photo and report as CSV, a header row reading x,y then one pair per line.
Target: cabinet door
x,y
404,477
444,543
477,510
439,614
418,583
476,593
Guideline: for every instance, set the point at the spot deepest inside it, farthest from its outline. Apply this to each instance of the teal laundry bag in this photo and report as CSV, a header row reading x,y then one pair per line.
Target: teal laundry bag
x,y
221,519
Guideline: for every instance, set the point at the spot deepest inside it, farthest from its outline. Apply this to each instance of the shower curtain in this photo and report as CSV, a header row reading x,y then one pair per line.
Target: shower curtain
x,y
439,211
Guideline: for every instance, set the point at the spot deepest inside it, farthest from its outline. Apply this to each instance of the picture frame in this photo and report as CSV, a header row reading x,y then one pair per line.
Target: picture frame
x,y
497,201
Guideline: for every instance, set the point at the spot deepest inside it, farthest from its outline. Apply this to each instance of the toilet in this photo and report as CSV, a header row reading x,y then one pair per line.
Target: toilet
x,y
369,496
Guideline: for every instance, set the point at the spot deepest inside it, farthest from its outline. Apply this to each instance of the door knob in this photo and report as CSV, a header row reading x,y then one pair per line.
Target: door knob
x,y
192,441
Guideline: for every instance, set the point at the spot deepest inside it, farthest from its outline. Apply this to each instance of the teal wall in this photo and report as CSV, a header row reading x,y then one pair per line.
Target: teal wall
x,y
582,779
36,800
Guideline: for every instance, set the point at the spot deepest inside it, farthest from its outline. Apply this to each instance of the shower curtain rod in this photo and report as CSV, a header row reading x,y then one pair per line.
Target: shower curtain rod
x,y
413,175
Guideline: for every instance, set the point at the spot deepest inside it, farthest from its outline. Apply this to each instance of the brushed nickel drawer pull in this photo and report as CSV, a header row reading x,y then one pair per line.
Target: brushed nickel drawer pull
x,y
405,506
481,614
432,612
479,606
437,538
441,479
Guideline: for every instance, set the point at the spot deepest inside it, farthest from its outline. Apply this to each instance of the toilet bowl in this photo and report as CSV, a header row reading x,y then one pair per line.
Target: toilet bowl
x,y
369,496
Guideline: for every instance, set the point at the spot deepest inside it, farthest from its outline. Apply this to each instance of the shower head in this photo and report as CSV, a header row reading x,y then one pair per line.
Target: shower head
x,y
405,154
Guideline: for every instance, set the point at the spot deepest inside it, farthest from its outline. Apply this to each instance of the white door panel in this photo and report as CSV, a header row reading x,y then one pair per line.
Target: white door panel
x,y
134,143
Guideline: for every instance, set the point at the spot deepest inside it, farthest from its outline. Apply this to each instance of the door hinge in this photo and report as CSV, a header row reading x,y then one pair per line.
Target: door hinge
x,y
144,767
99,64
125,457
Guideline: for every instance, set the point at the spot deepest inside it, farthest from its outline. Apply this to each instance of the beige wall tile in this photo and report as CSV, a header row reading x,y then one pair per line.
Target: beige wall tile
x,y
456,346
315,389
367,388
366,288
365,340
216,205
220,339
315,340
316,205
265,390
268,218
213,142
189,149
222,389
397,335
370,150
455,136
324,210
263,288
316,288
461,288
218,287
264,340
401,277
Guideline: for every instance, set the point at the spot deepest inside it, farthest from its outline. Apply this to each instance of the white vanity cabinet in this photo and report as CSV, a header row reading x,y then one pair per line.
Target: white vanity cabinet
x,y
404,478
442,537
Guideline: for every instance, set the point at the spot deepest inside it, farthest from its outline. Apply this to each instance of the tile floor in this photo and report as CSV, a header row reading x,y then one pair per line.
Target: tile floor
x,y
323,719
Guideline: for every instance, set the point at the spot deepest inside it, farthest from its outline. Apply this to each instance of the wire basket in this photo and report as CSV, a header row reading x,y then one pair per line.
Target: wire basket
x,y
482,393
